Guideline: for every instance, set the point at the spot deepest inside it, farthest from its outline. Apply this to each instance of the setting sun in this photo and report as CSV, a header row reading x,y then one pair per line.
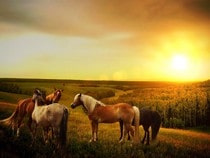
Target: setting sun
x,y
179,62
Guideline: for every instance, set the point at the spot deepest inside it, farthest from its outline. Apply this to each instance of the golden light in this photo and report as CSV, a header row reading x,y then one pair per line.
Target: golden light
x,y
179,62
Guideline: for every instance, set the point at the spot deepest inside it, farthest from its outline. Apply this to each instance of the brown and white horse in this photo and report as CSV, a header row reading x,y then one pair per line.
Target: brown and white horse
x,y
101,113
54,115
25,107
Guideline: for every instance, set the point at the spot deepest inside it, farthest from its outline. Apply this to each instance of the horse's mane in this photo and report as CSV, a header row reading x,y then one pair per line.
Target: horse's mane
x,y
89,100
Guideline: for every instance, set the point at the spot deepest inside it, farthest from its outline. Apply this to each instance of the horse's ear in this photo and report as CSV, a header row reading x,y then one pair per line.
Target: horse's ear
x,y
54,89
36,90
80,94
62,90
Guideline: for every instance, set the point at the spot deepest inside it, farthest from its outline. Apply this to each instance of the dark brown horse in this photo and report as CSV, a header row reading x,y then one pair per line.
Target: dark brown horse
x,y
147,118
25,107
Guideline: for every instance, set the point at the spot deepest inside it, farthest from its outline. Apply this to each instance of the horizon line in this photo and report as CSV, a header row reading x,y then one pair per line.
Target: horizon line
x,y
28,78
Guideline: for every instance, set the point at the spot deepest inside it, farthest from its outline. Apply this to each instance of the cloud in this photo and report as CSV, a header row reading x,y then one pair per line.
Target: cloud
x,y
95,18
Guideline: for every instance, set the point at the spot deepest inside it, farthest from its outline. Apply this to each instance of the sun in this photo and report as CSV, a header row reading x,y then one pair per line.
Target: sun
x,y
179,62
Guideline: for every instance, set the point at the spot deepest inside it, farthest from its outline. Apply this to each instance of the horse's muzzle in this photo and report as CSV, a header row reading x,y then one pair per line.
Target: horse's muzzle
x,y
73,106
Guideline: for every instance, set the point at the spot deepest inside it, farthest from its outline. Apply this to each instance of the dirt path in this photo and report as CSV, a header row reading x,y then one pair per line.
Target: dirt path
x,y
118,93
6,105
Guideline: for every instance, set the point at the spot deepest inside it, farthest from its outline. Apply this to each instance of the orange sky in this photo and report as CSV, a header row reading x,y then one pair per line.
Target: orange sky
x,y
105,40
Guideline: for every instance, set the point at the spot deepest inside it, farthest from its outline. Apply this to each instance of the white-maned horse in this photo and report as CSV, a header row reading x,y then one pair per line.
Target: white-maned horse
x,y
101,113
54,115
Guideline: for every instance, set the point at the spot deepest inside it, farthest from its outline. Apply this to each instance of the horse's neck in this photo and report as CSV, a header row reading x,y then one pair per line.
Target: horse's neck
x,y
37,105
49,98
89,103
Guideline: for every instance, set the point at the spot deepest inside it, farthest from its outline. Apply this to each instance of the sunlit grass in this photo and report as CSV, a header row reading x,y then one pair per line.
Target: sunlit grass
x,y
169,142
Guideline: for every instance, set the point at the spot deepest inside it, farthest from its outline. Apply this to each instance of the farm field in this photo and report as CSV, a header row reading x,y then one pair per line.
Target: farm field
x,y
179,141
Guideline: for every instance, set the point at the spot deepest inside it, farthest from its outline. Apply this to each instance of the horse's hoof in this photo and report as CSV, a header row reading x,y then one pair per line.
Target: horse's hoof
x,y
93,140
121,141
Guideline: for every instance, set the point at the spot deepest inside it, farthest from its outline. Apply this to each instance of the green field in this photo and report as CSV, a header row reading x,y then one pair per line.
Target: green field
x,y
169,99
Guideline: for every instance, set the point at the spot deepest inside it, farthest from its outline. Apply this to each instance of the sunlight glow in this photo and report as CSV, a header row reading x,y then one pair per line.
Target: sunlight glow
x,y
179,62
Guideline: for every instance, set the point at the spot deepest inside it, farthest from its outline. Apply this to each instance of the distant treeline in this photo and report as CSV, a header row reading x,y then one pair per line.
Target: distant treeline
x,y
117,84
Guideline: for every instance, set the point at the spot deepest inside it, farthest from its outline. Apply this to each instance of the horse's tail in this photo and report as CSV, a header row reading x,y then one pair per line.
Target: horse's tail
x,y
63,126
10,120
136,124
156,124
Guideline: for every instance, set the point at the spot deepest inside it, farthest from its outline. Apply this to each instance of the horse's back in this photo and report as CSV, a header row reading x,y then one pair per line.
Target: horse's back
x,y
156,117
145,116
148,116
56,107
112,113
55,112
26,106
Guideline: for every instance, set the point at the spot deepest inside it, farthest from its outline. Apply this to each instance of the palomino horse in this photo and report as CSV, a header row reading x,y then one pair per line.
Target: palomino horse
x,y
54,115
100,113
25,107
147,118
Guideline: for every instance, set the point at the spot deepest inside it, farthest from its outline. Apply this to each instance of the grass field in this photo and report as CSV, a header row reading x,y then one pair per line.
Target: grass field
x,y
169,143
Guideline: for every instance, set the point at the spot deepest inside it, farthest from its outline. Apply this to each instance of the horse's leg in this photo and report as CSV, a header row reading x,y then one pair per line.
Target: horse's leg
x,y
144,137
130,129
29,123
20,119
94,126
123,133
13,128
121,130
52,133
34,133
56,136
45,134
147,137
96,131
127,128
129,137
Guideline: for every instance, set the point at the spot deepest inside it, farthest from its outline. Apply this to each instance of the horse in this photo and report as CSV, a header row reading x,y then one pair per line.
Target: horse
x,y
98,112
54,115
147,118
25,107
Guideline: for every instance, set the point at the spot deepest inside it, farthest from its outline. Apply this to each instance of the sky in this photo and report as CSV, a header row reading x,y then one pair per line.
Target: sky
x,y
148,40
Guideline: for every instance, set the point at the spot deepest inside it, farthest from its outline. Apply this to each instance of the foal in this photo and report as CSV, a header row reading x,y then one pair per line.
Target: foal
x,y
25,107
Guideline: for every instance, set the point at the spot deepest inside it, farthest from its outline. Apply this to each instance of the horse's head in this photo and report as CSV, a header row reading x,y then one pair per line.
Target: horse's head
x,y
77,101
39,96
57,95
